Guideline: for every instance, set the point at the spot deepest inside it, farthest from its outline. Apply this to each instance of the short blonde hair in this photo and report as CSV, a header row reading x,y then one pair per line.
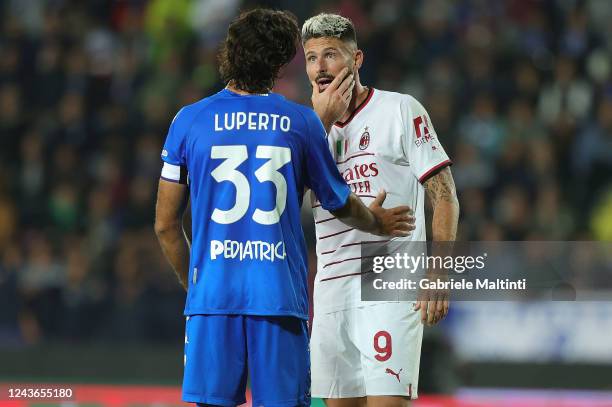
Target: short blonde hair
x,y
329,25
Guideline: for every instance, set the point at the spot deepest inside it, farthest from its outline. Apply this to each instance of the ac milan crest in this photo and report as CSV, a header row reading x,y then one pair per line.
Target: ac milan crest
x,y
364,141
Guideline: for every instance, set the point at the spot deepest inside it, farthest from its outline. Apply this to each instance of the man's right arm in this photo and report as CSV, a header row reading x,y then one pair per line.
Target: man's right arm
x,y
375,219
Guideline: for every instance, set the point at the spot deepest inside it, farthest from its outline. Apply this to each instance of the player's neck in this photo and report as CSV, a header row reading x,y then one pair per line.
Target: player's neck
x,y
360,93
232,88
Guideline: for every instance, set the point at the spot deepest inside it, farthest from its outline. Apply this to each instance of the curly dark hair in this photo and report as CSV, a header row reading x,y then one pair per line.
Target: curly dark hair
x,y
258,44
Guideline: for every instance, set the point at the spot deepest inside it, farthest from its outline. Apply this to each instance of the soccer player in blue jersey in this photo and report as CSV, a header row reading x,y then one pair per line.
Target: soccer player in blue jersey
x,y
244,156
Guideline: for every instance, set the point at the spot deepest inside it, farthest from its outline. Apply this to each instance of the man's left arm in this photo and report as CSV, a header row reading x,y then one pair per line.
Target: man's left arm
x,y
441,192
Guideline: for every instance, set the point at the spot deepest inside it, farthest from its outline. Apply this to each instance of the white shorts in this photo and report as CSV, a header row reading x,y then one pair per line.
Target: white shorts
x,y
372,350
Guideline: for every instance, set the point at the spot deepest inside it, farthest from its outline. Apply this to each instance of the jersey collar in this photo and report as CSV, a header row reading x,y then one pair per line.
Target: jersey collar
x,y
357,110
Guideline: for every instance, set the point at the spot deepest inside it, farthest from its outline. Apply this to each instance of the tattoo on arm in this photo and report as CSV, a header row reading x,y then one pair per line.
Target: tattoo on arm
x,y
441,188
441,192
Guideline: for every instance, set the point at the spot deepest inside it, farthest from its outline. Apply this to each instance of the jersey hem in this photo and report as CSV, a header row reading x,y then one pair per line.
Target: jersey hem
x,y
190,312
352,305
435,168
303,401
342,396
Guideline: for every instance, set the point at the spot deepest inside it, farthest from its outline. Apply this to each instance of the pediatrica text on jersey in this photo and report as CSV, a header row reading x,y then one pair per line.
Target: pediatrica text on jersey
x,y
252,121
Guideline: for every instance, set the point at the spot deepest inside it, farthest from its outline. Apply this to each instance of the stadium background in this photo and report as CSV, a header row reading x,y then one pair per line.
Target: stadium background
x,y
520,94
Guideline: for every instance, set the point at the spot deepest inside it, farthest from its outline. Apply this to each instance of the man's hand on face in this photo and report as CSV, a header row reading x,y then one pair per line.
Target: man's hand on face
x,y
331,103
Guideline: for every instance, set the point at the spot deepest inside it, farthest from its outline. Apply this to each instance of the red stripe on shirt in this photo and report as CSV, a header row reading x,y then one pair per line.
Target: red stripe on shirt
x,y
356,243
354,156
434,169
335,234
325,220
333,263
346,275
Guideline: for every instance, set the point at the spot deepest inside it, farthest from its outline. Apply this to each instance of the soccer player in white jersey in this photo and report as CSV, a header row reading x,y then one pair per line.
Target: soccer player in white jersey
x,y
368,353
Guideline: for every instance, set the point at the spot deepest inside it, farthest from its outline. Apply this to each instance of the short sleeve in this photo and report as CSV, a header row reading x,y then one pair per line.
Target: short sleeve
x,y
173,153
322,175
422,148
174,147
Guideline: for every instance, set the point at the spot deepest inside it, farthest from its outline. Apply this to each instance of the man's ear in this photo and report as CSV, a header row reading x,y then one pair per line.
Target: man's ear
x,y
358,59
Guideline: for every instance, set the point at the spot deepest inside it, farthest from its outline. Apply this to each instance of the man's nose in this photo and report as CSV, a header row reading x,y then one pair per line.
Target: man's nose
x,y
321,66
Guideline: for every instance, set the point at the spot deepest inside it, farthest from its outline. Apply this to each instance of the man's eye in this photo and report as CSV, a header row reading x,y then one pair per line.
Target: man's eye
x,y
330,55
311,59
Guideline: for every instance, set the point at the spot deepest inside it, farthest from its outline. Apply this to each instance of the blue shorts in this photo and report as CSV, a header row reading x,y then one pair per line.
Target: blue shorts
x,y
221,349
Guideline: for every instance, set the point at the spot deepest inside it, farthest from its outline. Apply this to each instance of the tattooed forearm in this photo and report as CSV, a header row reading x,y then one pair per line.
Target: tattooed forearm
x,y
441,187
441,192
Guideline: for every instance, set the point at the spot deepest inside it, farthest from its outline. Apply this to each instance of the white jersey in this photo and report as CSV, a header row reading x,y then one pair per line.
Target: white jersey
x,y
387,143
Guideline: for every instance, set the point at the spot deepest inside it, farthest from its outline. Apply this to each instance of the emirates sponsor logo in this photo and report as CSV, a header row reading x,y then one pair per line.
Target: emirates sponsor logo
x,y
357,177
360,171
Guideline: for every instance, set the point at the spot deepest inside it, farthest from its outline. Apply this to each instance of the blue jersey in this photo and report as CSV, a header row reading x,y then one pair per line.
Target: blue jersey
x,y
247,160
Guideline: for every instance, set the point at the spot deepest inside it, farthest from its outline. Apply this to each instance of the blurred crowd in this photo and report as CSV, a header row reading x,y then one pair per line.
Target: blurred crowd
x,y
519,92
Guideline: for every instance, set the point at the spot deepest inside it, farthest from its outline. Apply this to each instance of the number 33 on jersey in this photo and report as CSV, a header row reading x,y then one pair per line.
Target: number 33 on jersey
x,y
236,155
247,159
